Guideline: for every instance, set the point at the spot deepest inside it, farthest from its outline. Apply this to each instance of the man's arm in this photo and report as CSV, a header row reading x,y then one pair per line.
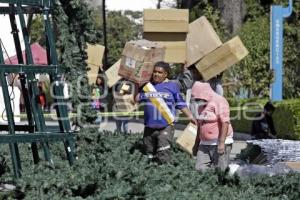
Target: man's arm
x,y
189,115
222,137
136,94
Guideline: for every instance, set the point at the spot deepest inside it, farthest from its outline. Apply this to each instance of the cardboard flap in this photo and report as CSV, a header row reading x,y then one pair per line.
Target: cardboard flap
x,y
201,40
112,74
95,54
187,139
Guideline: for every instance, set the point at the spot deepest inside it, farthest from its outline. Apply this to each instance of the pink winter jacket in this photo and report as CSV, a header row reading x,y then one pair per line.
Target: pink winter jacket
x,y
212,114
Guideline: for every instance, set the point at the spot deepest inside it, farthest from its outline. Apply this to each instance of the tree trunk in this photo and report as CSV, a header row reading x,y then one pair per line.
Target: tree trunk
x,y
232,13
187,4
158,4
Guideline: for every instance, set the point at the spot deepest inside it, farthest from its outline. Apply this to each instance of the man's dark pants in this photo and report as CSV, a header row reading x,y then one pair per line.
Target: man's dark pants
x,y
157,142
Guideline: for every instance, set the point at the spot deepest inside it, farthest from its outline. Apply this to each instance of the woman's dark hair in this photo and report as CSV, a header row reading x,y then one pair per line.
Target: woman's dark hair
x,y
101,78
163,65
269,107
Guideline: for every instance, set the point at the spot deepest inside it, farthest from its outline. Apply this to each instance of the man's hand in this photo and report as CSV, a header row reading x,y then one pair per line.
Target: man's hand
x,y
222,137
185,66
193,120
189,115
221,148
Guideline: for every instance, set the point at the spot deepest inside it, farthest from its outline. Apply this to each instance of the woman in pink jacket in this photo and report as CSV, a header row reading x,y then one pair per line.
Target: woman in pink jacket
x,y
215,135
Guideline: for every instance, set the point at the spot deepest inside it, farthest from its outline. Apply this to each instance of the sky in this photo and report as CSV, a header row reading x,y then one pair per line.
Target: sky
x,y
135,5
130,4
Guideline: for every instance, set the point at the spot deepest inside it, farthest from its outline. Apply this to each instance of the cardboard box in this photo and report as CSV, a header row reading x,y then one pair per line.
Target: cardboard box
x,y
222,58
293,165
112,74
175,51
166,20
93,73
201,40
125,103
124,89
95,54
138,59
94,61
187,139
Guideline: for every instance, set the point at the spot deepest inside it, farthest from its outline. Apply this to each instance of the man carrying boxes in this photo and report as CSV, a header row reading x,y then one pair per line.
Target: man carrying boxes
x,y
161,98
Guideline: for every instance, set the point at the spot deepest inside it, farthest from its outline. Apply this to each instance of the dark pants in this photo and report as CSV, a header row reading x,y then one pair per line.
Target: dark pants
x,y
157,142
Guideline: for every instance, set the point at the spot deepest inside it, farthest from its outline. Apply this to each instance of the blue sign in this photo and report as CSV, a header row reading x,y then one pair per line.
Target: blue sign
x,y
277,15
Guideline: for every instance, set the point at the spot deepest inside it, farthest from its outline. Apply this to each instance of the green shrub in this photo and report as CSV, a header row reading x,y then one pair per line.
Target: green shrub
x,y
286,117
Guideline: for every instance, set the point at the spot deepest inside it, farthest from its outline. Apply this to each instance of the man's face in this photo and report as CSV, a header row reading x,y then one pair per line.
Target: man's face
x,y
159,75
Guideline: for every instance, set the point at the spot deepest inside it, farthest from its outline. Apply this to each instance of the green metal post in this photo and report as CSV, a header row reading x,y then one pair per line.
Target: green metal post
x,y
61,109
15,156
15,31
37,111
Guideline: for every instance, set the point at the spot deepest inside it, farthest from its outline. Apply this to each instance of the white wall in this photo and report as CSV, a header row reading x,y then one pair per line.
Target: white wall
x,y
15,95
8,42
6,36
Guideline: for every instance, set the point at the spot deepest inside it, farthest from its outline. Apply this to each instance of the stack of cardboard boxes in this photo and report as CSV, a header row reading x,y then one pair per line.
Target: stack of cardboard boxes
x,y
206,51
136,65
222,58
170,38
169,28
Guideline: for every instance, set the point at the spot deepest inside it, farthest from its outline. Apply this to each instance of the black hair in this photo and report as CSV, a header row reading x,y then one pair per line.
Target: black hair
x,y
163,65
100,76
269,107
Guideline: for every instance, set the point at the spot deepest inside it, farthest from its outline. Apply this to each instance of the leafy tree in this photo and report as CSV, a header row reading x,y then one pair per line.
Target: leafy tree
x,y
253,73
206,9
292,54
37,30
120,30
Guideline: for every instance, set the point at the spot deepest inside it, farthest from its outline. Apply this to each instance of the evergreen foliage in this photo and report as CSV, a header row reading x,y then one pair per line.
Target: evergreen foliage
x,y
75,27
110,166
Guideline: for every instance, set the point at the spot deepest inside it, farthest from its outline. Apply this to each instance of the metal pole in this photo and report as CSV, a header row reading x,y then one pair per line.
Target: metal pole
x,y
25,92
278,13
104,34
